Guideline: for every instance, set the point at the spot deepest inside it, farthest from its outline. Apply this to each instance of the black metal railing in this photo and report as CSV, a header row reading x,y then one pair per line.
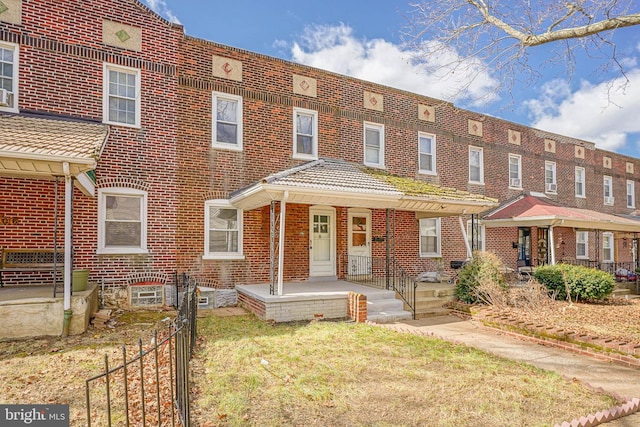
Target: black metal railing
x,y
151,388
381,273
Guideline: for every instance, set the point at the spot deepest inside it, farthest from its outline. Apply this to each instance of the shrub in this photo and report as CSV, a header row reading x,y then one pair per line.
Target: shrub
x,y
481,280
583,283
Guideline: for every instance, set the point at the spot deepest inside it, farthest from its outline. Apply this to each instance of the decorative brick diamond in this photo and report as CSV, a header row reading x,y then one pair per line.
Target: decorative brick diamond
x,y
227,68
514,137
373,100
123,36
427,113
550,146
475,127
579,152
304,85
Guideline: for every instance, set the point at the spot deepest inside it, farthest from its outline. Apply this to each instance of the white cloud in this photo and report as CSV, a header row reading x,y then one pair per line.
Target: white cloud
x,y
605,113
335,48
161,8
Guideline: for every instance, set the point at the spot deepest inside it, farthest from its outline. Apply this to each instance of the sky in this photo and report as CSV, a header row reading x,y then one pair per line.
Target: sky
x,y
364,39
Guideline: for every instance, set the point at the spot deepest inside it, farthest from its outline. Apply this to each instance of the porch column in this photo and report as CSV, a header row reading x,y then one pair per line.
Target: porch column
x,y
283,210
68,247
552,247
465,238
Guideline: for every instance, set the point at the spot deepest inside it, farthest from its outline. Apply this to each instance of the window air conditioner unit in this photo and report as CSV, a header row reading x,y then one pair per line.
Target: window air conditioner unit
x,y
608,200
514,182
4,98
551,187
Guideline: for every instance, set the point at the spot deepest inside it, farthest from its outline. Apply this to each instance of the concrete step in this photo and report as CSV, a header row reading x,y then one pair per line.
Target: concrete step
x,y
389,316
387,304
620,292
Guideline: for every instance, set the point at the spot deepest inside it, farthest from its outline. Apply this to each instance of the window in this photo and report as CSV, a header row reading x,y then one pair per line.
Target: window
x,y
582,244
374,145
550,183
580,190
430,237
305,134
122,221
427,153
515,171
631,194
476,167
226,129
223,231
475,235
121,96
607,247
607,190
9,77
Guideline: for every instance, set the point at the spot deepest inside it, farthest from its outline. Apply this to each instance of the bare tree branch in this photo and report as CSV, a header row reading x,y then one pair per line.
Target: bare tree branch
x,y
480,36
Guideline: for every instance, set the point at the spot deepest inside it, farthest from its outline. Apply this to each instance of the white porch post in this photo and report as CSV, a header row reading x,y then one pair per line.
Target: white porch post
x,y
552,247
283,210
465,237
68,247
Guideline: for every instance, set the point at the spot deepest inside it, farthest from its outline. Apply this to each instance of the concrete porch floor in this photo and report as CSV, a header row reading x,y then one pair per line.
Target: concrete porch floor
x,y
17,292
305,291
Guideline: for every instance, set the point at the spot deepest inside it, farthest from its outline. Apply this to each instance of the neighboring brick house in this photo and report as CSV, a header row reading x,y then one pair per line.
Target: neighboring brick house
x,y
208,143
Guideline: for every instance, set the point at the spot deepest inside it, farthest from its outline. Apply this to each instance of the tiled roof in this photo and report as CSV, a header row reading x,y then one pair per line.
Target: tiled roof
x,y
331,175
39,136
337,175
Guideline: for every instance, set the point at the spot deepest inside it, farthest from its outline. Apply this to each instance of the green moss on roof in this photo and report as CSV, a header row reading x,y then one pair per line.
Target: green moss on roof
x,y
415,187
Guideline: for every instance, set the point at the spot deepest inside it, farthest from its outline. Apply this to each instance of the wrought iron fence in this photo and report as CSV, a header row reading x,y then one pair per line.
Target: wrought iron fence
x,y
151,388
382,273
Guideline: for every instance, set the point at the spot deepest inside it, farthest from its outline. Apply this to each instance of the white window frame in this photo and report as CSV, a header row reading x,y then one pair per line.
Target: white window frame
x,y
518,163
225,204
583,240
580,176
105,94
14,108
314,137
550,166
102,216
380,128
479,150
481,231
607,190
432,153
607,244
237,146
631,194
423,226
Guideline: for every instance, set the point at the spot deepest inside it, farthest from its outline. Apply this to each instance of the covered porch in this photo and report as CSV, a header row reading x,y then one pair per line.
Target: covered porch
x,y
549,233
343,201
51,154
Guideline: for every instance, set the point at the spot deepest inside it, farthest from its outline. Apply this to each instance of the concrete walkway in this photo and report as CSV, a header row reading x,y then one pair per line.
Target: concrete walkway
x,y
613,378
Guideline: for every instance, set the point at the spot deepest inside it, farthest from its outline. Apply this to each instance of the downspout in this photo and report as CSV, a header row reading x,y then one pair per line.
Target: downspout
x,y
68,206
465,237
283,210
552,246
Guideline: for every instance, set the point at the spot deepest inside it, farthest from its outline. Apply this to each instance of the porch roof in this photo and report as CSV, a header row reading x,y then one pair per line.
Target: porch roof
x,y
37,146
530,210
339,183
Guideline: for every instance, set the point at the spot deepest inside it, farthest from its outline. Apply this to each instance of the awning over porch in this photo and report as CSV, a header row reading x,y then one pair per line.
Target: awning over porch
x,y
41,147
339,183
537,211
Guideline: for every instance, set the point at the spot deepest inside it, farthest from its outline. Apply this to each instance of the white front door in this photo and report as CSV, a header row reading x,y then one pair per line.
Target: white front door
x,y
322,242
359,241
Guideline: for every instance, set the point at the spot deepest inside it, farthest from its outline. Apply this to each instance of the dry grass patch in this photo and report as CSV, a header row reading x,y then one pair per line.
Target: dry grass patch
x,y
322,373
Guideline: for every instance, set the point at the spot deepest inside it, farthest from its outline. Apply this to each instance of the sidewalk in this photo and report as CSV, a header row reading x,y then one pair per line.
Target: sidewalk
x,y
613,378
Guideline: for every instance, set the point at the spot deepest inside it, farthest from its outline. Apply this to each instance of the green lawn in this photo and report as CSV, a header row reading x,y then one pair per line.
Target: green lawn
x,y
251,373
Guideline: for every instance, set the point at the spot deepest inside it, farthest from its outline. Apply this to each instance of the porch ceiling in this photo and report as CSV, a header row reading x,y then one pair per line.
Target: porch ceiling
x,y
337,183
532,211
34,146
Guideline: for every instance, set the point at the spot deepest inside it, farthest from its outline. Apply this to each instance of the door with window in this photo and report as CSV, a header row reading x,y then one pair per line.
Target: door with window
x,y
524,246
322,246
359,244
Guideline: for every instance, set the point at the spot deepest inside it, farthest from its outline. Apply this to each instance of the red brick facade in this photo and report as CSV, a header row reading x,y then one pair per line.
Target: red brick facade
x,y
171,155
